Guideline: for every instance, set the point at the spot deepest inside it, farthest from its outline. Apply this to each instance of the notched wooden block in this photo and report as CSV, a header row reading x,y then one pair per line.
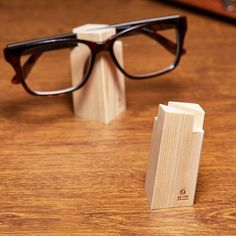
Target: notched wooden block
x,y
175,154
102,98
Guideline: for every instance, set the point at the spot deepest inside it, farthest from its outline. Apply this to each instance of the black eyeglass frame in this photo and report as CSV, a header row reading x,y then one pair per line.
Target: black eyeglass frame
x,y
35,48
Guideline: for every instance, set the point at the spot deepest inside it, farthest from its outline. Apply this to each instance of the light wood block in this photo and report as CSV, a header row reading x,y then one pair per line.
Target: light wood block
x,y
102,98
175,154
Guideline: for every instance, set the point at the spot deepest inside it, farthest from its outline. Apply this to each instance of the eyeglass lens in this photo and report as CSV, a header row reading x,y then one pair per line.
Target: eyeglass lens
x,y
146,50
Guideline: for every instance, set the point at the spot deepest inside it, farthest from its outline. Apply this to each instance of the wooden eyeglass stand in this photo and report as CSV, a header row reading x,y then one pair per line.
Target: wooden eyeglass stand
x,y
175,154
102,98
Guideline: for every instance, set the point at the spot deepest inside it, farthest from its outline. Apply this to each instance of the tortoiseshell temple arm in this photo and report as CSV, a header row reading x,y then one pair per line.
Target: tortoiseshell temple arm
x,y
165,42
151,30
26,67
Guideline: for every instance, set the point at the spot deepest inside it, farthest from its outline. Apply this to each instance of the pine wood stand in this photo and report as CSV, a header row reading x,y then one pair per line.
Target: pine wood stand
x,y
175,154
102,98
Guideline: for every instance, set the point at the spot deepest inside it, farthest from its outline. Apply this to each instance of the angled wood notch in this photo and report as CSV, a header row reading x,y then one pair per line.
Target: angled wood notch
x,y
175,154
102,98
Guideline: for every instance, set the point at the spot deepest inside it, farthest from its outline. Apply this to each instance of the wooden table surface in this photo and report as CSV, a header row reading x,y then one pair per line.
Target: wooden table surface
x,y
64,175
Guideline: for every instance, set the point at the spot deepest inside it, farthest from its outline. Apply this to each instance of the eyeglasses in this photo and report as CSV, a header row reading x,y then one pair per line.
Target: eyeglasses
x,y
151,47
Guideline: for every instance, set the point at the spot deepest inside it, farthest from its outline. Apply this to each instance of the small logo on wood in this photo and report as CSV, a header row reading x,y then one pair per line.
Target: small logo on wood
x,y
183,195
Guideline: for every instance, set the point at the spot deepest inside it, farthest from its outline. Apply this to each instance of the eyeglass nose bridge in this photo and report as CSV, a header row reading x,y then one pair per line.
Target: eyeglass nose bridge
x,y
103,46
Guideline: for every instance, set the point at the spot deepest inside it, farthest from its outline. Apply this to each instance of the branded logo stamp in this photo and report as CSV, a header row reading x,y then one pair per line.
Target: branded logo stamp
x,y
183,195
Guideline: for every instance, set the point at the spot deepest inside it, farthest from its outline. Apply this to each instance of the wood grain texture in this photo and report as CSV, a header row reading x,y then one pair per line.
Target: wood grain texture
x,y
64,175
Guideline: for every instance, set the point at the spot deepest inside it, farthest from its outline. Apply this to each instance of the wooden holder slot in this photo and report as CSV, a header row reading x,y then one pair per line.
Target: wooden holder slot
x,y
102,98
175,154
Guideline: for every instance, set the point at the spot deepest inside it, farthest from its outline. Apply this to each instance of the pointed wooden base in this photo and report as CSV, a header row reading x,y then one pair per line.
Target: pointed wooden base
x,y
175,154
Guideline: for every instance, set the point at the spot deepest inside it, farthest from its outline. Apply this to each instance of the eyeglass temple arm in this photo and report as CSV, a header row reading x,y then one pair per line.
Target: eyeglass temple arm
x,y
166,43
26,68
